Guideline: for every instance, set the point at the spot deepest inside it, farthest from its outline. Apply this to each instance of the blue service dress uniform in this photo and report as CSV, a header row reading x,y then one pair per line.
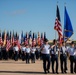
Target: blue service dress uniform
x,y
71,53
33,49
27,51
46,57
16,52
0,52
63,59
54,58
75,60
23,53
38,49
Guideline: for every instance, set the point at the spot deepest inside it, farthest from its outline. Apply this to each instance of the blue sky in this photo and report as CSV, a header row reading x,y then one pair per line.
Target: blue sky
x,y
35,15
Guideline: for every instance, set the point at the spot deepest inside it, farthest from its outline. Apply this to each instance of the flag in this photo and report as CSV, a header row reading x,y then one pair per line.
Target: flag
x,y
44,35
10,37
4,42
33,40
30,38
13,38
16,40
68,29
42,39
0,38
8,45
38,39
58,26
22,37
26,39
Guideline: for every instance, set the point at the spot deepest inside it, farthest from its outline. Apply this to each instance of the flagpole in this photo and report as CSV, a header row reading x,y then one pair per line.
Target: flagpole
x,y
64,29
55,30
55,34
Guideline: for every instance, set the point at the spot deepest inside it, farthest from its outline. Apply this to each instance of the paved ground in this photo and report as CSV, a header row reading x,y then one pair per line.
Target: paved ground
x,y
19,67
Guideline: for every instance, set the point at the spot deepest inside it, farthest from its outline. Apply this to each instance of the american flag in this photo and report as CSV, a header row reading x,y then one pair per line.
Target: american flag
x,y
58,26
8,44
39,39
26,41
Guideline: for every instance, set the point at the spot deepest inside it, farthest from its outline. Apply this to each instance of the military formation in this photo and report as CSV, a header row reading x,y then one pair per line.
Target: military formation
x,y
50,55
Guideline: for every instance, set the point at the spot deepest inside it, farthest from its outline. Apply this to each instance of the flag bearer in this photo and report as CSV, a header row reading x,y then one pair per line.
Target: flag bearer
x,y
63,58
54,56
46,56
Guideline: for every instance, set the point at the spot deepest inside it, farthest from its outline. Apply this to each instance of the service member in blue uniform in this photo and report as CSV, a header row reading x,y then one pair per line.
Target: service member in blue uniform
x,y
46,56
37,52
0,52
11,55
54,56
27,52
23,52
63,58
71,51
33,49
16,52
75,60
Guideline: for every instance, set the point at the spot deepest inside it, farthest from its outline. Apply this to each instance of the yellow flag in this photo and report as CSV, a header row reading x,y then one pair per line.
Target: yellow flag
x,y
4,43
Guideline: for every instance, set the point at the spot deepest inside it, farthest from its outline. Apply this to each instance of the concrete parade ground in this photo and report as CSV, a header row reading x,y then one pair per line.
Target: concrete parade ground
x,y
11,67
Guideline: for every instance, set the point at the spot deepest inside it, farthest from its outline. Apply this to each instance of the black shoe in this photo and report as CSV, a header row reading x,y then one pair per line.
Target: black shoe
x,y
71,72
48,71
62,72
53,72
45,72
74,72
57,73
65,72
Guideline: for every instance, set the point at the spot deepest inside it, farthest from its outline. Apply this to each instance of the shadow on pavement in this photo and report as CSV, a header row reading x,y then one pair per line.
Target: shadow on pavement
x,y
25,72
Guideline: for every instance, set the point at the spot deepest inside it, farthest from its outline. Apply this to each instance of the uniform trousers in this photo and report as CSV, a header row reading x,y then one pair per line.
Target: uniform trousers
x,y
54,58
63,61
46,62
71,64
27,57
16,56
